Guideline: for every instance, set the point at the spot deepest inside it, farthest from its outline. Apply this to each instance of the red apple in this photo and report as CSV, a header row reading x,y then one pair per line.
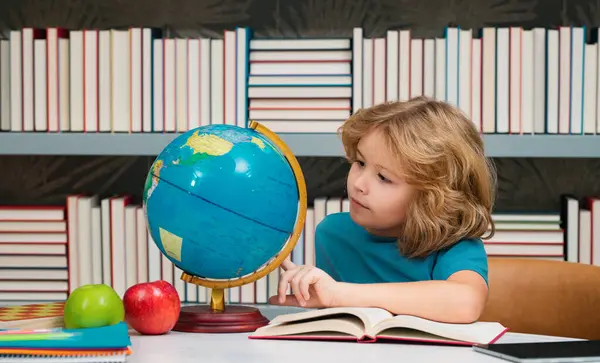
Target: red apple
x,y
152,308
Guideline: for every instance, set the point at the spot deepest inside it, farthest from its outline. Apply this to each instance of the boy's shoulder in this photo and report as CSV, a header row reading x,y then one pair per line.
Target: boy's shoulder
x,y
466,254
467,247
467,243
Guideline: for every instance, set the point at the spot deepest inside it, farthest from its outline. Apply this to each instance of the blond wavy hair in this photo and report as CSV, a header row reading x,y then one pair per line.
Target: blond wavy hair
x,y
442,157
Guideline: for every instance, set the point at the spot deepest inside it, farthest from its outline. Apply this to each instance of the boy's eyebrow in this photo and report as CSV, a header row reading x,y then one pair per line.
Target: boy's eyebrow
x,y
376,164
379,165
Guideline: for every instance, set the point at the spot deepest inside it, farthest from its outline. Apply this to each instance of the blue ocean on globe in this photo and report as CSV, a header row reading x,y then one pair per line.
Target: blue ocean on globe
x,y
220,201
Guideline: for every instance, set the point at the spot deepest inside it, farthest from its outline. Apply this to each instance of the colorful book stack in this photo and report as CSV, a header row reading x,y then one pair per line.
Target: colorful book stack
x,y
109,344
300,85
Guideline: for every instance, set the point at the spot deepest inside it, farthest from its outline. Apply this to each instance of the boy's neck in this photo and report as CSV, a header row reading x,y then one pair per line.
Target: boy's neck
x,y
382,236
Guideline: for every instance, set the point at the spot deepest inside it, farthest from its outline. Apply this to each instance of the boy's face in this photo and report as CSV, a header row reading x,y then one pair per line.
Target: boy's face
x,y
378,195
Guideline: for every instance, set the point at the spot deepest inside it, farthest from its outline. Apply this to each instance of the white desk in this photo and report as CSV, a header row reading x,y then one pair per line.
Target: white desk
x,y
177,347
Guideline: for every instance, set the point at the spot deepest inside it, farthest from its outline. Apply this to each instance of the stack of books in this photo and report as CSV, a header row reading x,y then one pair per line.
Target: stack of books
x,y
300,85
33,253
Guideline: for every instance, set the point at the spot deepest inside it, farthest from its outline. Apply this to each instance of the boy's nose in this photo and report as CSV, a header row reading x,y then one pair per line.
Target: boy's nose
x,y
360,184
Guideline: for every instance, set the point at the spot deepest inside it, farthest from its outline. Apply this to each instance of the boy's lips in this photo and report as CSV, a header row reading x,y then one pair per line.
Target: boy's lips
x,y
353,200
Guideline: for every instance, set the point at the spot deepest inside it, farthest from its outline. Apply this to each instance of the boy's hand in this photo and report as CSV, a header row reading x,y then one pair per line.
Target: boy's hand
x,y
311,287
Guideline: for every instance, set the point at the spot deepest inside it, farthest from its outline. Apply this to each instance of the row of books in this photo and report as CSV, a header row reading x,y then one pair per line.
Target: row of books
x,y
580,220
507,79
47,252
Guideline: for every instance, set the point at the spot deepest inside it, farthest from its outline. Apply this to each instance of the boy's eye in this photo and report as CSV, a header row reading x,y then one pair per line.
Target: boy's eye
x,y
360,163
383,178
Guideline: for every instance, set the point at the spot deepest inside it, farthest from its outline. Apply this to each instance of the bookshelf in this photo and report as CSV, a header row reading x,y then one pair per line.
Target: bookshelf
x,y
302,144
109,92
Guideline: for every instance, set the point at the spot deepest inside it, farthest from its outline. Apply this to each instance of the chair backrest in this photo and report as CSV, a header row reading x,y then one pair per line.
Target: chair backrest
x,y
544,297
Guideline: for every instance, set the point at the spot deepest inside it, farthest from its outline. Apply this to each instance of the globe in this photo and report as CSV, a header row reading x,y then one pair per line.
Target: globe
x,y
225,204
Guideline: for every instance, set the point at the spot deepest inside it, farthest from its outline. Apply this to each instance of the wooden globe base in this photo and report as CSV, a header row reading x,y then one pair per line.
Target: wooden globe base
x,y
234,319
217,318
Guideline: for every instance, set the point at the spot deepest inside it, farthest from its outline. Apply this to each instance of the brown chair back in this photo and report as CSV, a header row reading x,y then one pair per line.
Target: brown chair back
x,y
544,297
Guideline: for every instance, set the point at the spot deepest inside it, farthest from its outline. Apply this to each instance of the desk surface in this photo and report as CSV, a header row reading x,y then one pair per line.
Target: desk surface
x,y
177,347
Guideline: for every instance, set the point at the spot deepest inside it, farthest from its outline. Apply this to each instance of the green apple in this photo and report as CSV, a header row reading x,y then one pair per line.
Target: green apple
x,y
93,306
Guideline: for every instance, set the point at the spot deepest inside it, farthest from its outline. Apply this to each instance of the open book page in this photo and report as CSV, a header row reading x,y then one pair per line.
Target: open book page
x,y
368,316
401,326
349,326
325,322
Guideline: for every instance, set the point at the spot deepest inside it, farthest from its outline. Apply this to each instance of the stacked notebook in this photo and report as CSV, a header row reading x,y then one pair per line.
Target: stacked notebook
x,y
109,344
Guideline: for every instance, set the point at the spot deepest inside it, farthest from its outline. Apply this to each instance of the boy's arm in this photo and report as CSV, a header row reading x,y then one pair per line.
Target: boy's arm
x,y
459,299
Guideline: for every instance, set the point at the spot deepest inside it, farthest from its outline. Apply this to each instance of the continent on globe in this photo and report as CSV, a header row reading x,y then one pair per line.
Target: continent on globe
x,y
258,142
171,244
208,144
203,146
152,179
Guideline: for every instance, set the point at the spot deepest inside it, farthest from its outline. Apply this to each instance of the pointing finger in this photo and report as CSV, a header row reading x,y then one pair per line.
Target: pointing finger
x,y
284,279
287,264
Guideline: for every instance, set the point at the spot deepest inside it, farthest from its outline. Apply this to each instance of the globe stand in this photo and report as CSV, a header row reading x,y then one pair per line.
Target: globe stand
x,y
217,318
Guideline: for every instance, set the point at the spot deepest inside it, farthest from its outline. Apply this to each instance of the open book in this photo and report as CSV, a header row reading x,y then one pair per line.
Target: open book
x,y
371,324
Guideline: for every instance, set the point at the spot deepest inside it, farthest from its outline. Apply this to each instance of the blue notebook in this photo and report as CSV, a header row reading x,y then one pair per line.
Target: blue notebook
x,y
107,337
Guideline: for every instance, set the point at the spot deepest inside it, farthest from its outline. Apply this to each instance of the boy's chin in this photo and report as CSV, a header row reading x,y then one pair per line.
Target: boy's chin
x,y
362,220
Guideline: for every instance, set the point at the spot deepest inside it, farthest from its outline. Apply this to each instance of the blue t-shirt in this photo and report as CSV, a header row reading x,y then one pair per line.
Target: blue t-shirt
x,y
348,253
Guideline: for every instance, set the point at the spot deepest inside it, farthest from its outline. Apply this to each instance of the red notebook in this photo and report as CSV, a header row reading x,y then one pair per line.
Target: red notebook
x,y
368,325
